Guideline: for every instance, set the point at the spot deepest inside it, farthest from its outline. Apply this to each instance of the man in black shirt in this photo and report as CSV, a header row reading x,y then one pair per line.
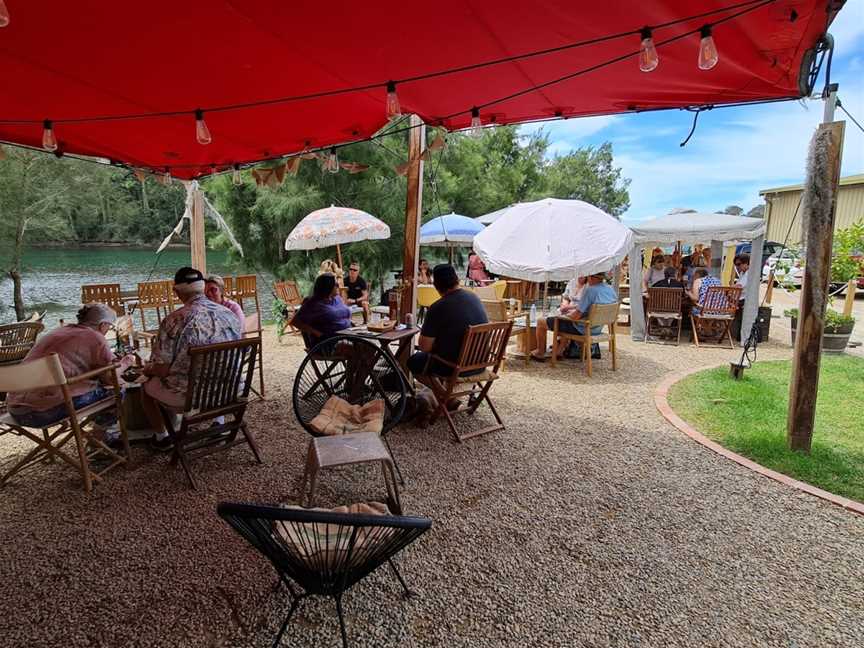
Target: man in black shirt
x,y
446,323
669,280
357,290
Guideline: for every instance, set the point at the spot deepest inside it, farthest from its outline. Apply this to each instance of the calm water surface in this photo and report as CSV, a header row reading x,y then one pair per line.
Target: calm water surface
x,y
53,277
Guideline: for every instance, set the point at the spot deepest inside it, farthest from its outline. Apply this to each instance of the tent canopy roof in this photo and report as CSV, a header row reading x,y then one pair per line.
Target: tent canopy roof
x,y
694,227
258,69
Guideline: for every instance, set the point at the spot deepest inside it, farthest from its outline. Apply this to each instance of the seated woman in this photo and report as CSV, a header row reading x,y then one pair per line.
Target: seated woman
x,y
424,275
324,310
81,347
655,273
702,281
477,269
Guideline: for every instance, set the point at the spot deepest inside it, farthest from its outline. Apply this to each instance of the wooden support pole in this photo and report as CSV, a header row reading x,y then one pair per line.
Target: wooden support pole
x,y
850,297
769,291
196,230
818,205
728,265
413,209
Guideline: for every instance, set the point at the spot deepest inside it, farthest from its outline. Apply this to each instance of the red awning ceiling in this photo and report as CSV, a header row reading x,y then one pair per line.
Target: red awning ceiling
x,y
90,58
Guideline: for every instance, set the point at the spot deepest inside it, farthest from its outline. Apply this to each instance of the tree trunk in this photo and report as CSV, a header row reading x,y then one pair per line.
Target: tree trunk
x,y
17,295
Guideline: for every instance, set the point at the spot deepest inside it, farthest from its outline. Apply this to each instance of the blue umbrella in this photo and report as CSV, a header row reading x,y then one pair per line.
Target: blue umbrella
x,y
451,230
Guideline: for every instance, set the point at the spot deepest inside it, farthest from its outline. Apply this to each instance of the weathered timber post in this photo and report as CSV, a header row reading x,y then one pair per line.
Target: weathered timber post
x,y
413,210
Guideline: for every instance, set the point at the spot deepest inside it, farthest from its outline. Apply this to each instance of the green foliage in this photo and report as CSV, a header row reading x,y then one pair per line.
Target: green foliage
x,y
833,319
748,416
846,263
470,177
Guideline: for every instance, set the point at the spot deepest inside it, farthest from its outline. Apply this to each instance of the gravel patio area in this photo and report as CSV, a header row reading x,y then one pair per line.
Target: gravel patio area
x,y
589,521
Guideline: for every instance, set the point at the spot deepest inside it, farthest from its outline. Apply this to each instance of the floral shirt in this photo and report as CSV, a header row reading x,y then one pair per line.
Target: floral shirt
x,y
199,322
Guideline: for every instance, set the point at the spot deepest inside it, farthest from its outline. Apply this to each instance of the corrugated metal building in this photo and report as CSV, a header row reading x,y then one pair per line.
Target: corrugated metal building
x,y
781,203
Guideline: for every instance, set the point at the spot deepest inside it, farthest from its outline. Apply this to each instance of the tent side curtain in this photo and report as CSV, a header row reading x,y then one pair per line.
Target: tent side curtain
x,y
280,77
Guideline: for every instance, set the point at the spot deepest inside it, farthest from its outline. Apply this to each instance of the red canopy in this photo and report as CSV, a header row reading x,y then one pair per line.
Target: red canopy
x,y
71,62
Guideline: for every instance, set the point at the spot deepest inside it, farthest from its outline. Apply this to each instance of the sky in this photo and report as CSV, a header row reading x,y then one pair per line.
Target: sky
x,y
734,152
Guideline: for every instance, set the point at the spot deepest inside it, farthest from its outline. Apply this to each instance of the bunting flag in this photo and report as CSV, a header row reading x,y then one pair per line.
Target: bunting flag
x,y
354,167
293,165
438,143
402,169
2,153
139,174
271,176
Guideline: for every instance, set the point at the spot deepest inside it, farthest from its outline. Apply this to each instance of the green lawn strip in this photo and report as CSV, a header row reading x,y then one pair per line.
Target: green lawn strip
x,y
749,417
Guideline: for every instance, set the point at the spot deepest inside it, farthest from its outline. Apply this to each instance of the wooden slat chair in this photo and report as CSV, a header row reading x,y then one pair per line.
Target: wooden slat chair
x,y
108,294
499,310
716,314
77,425
664,304
246,287
323,553
288,293
16,340
220,379
483,350
252,330
157,296
229,286
598,315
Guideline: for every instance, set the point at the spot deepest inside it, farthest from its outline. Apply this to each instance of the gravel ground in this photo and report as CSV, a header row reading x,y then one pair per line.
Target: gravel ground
x,y
589,521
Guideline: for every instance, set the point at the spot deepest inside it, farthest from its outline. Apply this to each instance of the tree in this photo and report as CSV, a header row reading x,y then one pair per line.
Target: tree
x,y
757,212
733,210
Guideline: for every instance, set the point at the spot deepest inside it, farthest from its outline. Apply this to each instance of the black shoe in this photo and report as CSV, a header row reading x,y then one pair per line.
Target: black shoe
x,y
595,351
161,445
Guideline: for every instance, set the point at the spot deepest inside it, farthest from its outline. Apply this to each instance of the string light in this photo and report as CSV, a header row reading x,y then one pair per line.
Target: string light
x,y
476,125
648,58
708,56
4,14
166,177
202,133
332,161
49,142
236,178
393,107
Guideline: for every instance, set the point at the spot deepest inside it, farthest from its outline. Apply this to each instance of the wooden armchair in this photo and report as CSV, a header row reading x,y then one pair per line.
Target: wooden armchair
x,y
246,287
77,425
599,315
108,294
715,314
480,358
664,304
157,296
499,310
220,379
16,340
252,330
288,293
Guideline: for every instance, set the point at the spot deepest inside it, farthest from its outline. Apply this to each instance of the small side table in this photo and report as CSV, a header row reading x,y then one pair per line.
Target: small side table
x,y
344,450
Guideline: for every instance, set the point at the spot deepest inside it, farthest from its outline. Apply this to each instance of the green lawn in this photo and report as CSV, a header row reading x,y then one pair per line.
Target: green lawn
x,y
749,417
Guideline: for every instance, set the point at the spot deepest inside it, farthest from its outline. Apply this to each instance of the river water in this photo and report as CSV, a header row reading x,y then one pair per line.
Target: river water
x,y
52,277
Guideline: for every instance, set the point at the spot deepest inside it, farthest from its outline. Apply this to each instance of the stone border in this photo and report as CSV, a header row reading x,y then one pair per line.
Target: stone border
x,y
662,403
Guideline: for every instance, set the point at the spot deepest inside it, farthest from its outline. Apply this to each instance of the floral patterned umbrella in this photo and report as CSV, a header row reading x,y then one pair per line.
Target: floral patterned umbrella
x,y
335,226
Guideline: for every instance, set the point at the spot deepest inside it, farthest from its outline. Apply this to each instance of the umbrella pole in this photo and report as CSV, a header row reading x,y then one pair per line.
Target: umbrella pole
x,y
339,257
450,247
546,297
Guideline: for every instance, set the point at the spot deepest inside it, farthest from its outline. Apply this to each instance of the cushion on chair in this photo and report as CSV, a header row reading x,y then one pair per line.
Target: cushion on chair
x,y
486,374
338,417
309,540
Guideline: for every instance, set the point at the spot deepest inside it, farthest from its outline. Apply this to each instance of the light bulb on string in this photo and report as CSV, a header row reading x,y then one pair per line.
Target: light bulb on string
x,y
4,14
476,129
648,58
333,161
49,141
202,133
236,178
166,177
708,56
393,107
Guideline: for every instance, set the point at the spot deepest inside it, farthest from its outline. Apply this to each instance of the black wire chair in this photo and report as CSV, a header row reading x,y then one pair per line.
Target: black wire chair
x,y
323,553
356,370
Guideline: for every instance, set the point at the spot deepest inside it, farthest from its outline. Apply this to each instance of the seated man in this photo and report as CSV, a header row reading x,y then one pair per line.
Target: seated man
x,y
596,292
357,292
324,309
742,268
669,280
446,323
214,288
197,323
80,347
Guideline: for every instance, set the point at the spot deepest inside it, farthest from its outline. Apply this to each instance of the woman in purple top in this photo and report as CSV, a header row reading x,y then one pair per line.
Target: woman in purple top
x,y
324,310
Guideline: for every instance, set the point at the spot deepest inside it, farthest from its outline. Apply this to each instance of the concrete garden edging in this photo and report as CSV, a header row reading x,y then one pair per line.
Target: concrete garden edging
x,y
661,401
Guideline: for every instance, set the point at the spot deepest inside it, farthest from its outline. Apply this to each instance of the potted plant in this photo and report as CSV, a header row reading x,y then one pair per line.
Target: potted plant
x,y
838,329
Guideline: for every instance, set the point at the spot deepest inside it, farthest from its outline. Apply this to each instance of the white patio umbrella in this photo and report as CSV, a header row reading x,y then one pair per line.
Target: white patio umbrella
x,y
491,217
335,226
553,240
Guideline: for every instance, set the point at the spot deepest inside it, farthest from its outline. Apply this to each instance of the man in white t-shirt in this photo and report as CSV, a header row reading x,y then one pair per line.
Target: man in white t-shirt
x,y
742,269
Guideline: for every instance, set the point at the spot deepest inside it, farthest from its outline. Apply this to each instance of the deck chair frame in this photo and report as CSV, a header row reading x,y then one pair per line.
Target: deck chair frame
x,y
664,303
289,294
220,379
76,426
108,294
716,314
157,296
499,310
598,315
252,330
483,349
